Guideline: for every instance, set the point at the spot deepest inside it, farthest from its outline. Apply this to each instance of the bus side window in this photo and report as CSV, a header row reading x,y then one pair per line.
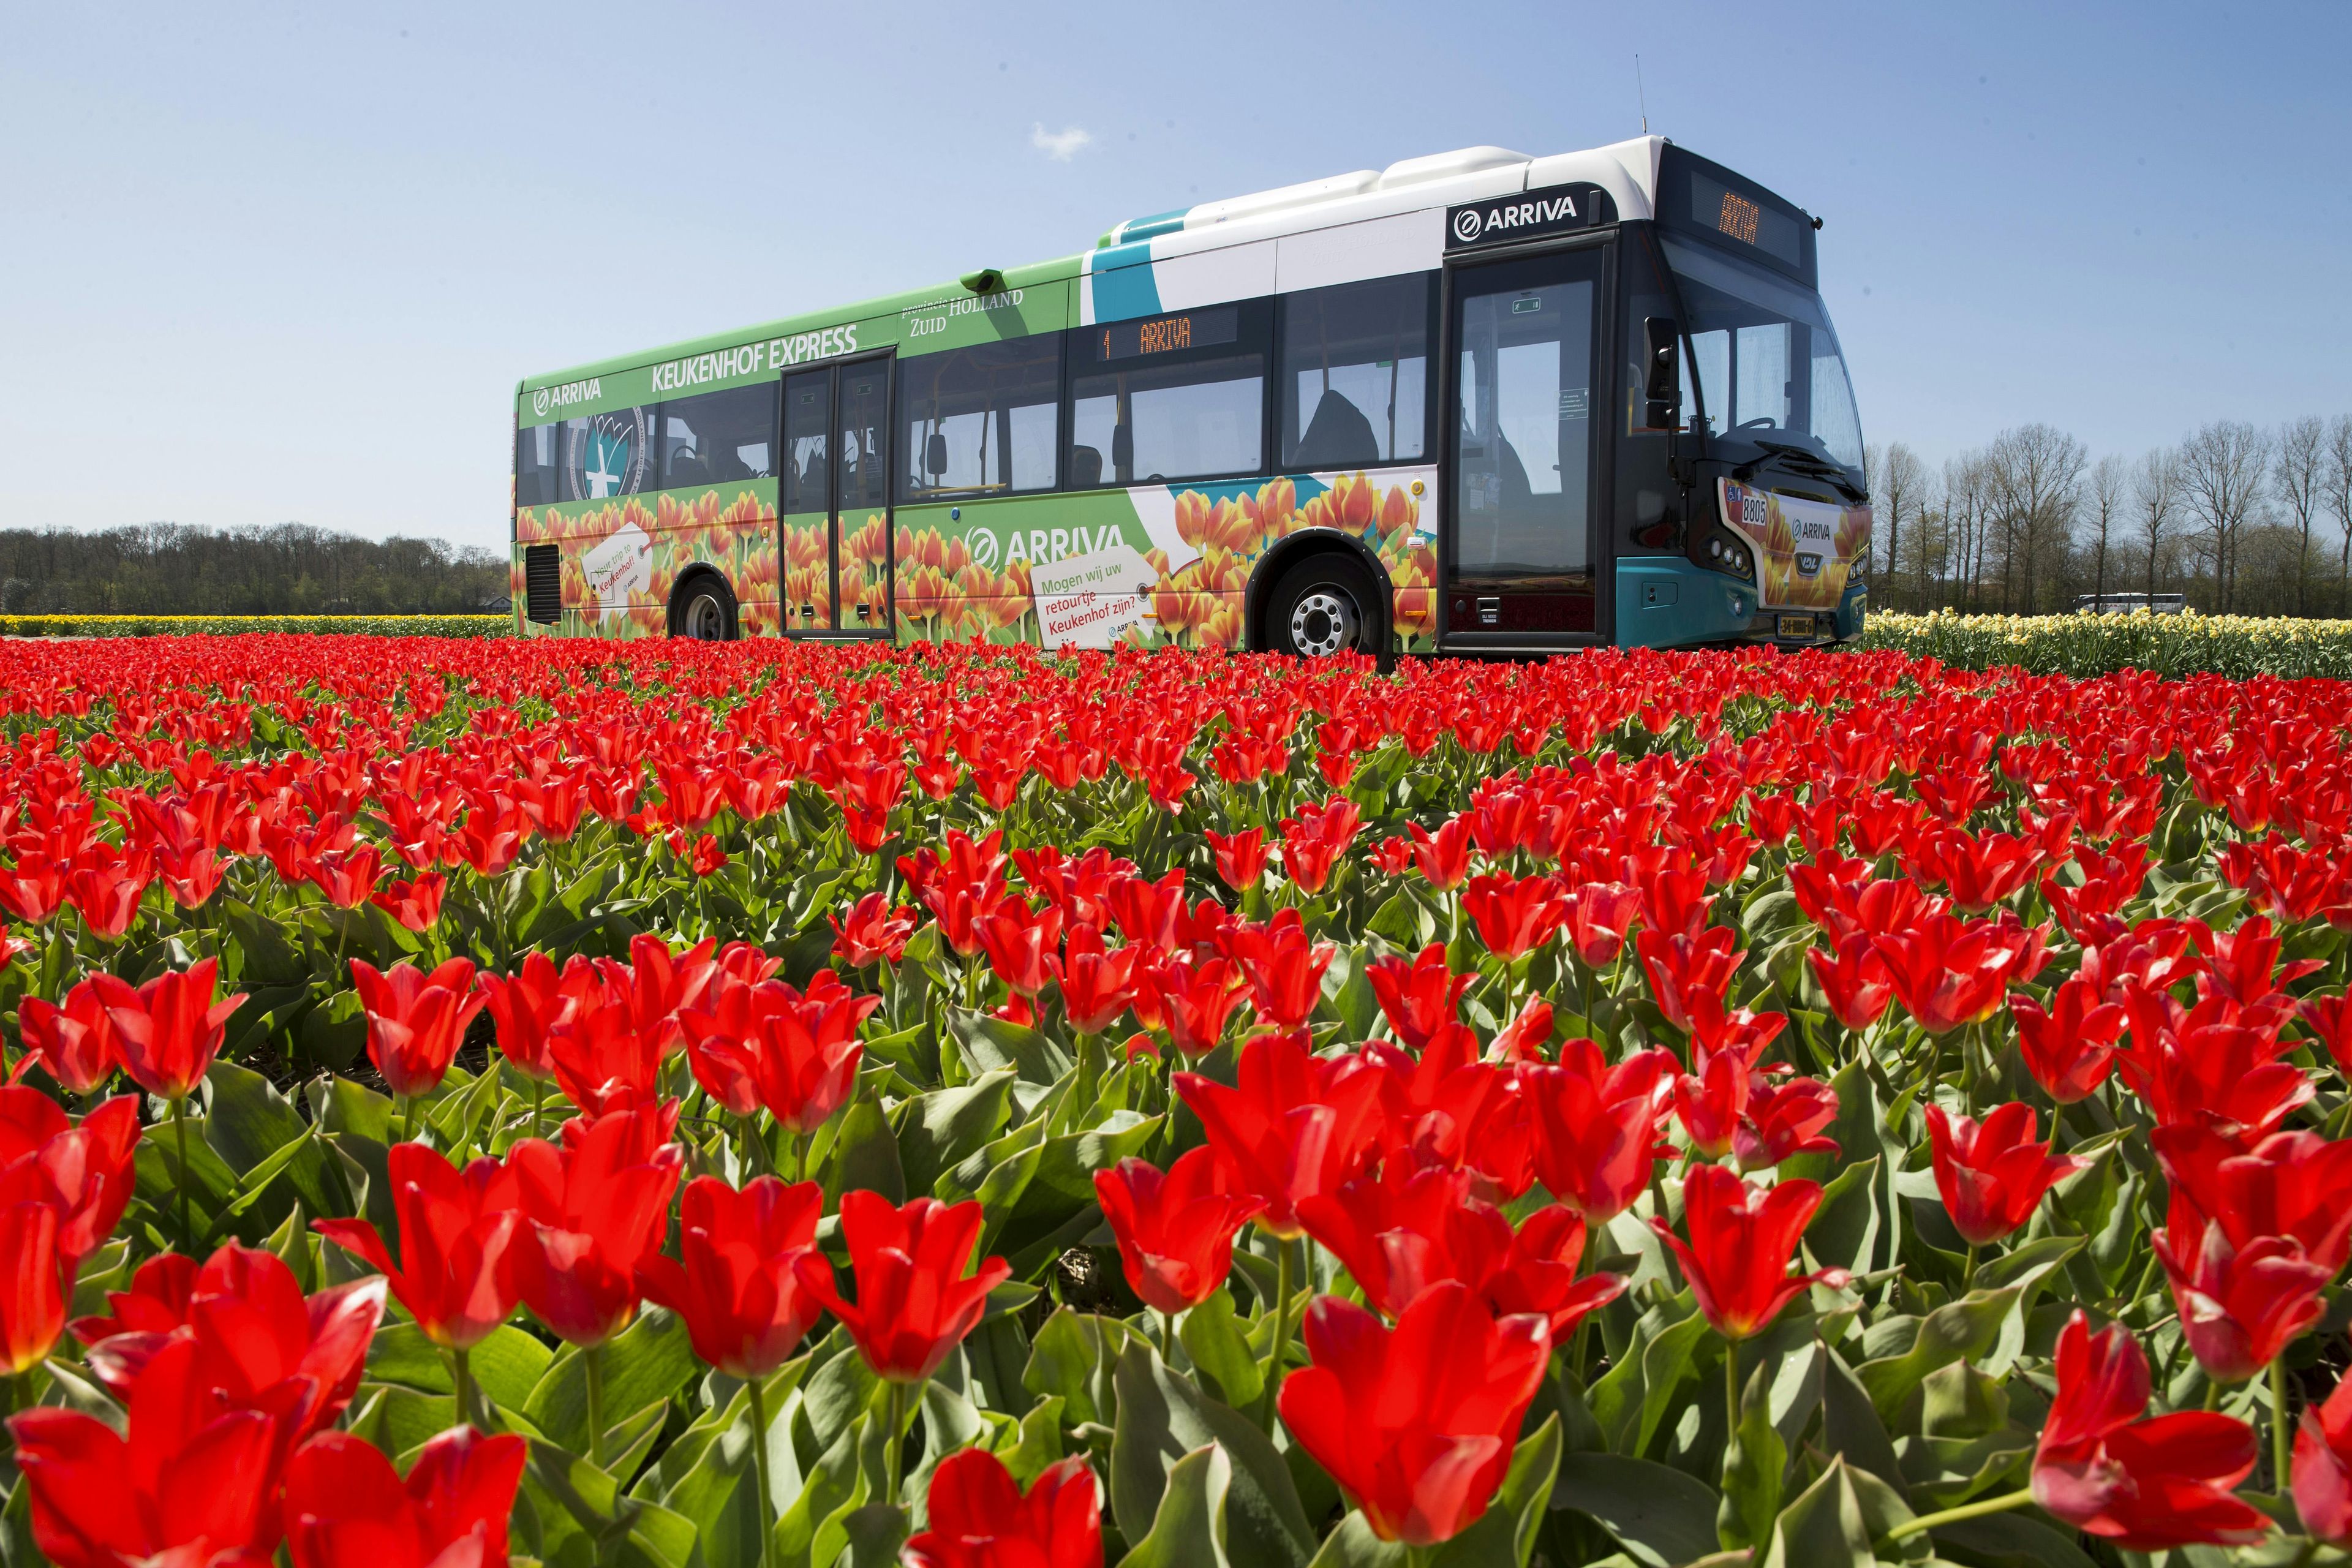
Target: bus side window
x,y
982,418
1355,373
537,451
717,437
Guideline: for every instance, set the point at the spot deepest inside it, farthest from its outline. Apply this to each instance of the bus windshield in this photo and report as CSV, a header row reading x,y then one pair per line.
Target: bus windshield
x,y
1765,356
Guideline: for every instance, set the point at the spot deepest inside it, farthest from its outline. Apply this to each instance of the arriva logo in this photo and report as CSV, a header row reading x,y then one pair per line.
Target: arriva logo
x,y
570,393
1467,227
983,548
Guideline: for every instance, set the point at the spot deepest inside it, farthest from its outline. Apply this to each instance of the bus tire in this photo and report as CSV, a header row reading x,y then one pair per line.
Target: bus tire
x,y
1325,604
703,608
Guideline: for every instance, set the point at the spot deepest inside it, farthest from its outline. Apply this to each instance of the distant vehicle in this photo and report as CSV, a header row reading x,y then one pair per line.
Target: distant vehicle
x,y
1474,403
2125,603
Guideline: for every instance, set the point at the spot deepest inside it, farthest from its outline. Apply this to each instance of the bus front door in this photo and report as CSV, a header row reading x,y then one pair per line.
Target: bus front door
x,y
834,537
1520,550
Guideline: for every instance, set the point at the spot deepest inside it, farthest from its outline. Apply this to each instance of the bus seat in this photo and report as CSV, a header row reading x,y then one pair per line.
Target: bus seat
x,y
1338,436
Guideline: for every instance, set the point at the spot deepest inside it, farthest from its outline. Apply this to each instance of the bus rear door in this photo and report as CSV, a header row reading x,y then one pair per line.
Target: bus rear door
x,y
835,529
1521,548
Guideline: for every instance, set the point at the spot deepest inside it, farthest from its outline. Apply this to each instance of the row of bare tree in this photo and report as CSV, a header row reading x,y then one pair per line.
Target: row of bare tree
x,y
2238,518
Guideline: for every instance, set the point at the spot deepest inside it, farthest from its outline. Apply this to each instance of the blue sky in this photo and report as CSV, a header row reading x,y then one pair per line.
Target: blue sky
x,y
272,263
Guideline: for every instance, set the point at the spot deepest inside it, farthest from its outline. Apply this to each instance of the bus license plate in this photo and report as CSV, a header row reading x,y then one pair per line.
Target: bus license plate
x,y
1797,626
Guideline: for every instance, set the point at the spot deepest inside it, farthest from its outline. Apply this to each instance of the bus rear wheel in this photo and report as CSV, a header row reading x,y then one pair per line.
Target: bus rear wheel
x,y
1326,604
706,610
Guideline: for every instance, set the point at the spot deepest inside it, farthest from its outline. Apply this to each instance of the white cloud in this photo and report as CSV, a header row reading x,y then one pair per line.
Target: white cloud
x,y
1059,145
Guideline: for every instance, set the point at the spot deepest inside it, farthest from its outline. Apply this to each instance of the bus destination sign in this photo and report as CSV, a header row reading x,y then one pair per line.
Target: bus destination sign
x,y
1167,334
1528,215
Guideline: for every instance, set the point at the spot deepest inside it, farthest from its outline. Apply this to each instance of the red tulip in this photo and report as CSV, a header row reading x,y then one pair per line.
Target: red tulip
x,y
2147,1484
1146,911
595,1208
1947,972
915,1302
1737,1260
457,1228
73,1044
979,1518
1419,997
2070,1048
1991,1175
157,1302
528,1005
2323,1467
1240,858
1284,967
1600,914
1709,1106
1418,1422
346,1505
2295,1184
33,1301
1682,969
1514,915
415,904
1445,857
105,890
1855,981
415,1020
169,1030
2239,1307
875,932
1596,1125
809,1053
192,1482
1293,1126
744,1308
261,1345
34,889
603,1059
1399,1234
1193,1001
1097,984
1175,1231
84,1173
1313,841
1020,942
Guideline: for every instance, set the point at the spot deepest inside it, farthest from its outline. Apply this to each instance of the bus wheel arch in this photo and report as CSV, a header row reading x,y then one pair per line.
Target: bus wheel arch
x,y
1322,569
702,607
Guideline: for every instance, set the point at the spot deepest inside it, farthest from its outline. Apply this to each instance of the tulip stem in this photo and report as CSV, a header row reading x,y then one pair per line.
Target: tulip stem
x,y
461,1376
1730,1392
2282,1433
401,1113
1281,1332
1969,1272
594,1356
1928,1522
893,1444
180,1133
760,1469
1168,1339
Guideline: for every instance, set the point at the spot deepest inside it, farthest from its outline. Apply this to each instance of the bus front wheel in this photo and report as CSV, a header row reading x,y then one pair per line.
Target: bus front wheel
x,y
1325,604
706,610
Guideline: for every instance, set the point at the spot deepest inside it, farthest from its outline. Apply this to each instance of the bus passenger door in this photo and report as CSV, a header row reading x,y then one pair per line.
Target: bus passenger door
x,y
1519,551
835,534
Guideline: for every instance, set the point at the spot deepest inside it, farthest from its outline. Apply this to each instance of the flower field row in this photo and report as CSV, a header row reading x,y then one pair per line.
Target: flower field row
x,y
2084,644
223,626
670,1104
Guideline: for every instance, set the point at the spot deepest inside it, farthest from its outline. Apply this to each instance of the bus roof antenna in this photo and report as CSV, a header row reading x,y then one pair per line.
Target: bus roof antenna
x,y
1640,96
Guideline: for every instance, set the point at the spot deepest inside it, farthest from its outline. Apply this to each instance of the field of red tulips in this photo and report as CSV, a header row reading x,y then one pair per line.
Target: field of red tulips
x,y
780,1106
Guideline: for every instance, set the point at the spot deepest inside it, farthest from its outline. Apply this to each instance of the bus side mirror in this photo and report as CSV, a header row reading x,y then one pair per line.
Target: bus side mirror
x,y
935,455
1662,368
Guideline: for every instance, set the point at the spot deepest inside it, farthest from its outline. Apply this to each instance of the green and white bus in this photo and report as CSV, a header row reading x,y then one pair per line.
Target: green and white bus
x,y
1473,402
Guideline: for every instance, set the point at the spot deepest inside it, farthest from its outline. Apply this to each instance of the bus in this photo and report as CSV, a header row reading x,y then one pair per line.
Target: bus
x,y
1476,403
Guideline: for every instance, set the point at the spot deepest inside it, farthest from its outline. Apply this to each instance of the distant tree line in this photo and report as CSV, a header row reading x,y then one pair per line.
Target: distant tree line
x,y
2238,518
291,568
